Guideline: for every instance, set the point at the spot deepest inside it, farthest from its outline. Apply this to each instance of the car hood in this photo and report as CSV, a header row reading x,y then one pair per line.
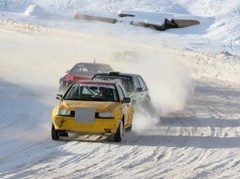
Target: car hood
x,y
98,105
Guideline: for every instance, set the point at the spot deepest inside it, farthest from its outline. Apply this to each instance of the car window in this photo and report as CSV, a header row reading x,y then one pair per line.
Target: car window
x,y
83,69
126,81
127,84
136,82
142,83
79,69
92,92
98,68
89,69
123,91
120,92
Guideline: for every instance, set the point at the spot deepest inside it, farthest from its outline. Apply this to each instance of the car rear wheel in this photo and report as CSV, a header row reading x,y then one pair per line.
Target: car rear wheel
x,y
129,129
55,134
119,135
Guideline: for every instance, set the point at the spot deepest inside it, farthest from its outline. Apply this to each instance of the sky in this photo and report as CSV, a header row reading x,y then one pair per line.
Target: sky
x,y
192,74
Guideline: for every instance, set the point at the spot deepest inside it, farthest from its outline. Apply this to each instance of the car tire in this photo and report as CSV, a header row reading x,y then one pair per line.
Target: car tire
x,y
129,129
55,134
62,133
119,135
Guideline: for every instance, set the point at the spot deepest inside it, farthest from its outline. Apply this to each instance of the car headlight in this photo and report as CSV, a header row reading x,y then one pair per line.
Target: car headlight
x,y
64,112
106,114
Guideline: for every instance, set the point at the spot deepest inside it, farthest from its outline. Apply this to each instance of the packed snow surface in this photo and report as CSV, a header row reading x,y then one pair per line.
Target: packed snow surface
x,y
192,74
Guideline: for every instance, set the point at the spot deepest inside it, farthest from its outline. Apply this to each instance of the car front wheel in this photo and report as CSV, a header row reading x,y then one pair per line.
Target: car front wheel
x,y
55,134
119,135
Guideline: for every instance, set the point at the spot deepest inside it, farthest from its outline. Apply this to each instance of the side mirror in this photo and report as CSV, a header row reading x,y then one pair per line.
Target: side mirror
x,y
59,96
139,89
126,100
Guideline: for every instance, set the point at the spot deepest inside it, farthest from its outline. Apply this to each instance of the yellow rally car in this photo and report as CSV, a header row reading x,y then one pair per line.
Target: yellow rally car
x,y
93,107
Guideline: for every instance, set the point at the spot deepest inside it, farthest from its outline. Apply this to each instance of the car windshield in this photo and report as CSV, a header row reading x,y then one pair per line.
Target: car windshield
x,y
92,92
126,81
89,69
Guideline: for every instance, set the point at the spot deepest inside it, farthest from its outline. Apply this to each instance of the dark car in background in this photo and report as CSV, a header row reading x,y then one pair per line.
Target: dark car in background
x,y
134,85
82,71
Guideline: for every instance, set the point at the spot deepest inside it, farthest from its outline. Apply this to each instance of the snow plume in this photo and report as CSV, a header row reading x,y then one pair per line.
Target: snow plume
x,y
144,120
168,80
169,83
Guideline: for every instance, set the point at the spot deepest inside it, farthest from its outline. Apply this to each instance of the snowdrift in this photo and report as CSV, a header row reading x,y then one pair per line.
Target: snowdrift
x,y
133,19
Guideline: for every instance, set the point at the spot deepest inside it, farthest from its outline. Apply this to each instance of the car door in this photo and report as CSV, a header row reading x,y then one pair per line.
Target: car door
x,y
139,89
127,108
144,92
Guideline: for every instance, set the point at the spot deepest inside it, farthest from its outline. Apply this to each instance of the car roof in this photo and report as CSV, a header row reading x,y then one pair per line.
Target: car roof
x,y
93,63
103,82
116,73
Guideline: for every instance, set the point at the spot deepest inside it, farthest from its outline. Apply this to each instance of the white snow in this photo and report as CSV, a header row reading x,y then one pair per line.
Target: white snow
x,y
192,73
35,11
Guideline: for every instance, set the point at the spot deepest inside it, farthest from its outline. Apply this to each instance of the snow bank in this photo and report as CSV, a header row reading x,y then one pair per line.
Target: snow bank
x,y
218,29
35,11
97,13
14,5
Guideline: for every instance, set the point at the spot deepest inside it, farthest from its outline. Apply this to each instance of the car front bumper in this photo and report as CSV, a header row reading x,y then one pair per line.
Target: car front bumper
x,y
99,126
